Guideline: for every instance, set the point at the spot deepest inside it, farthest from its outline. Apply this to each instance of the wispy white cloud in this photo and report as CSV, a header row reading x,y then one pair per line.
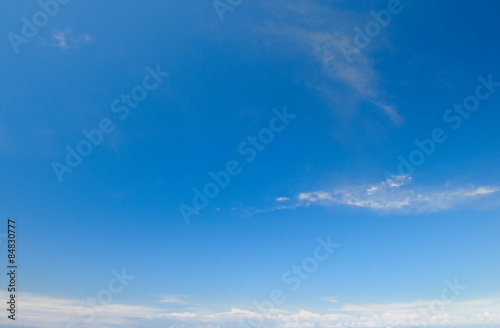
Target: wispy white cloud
x,y
394,194
330,299
67,39
318,31
38,311
174,299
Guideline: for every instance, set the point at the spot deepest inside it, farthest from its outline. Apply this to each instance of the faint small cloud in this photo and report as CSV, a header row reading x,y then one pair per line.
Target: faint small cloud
x,y
282,199
67,39
174,299
330,299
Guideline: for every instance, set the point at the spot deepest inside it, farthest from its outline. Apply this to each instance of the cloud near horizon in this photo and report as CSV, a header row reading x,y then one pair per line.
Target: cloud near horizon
x,y
39,311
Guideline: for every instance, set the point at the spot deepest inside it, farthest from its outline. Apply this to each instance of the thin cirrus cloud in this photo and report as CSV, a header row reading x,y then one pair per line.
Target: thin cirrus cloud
x,y
39,311
318,31
394,195
330,299
174,299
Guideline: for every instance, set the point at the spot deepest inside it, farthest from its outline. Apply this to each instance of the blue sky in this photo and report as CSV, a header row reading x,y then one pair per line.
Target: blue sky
x,y
331,171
